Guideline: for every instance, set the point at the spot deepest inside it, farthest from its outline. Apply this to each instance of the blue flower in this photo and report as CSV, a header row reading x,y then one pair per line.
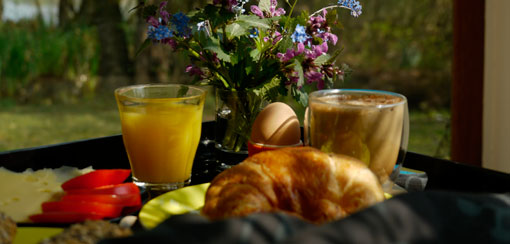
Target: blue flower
x,y
353,5
254,33
181,21
159,33
299,34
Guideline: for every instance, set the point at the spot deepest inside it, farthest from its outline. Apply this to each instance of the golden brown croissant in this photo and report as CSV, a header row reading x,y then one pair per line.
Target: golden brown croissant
x,y
303,181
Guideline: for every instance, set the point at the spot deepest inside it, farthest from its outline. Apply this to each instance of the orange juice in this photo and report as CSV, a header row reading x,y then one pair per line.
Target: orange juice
x,y
161,140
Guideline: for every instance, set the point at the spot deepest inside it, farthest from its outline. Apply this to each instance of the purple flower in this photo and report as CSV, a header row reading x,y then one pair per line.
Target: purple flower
x,y
318,23
328,36
165,16
276,12
300,48
194,70
314,76
293,78
153,21
318,50
273,11
287,56
256,10
171,42
291,53
228,4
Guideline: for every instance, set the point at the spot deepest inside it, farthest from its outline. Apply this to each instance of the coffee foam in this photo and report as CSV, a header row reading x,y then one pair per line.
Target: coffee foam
x,y
361,100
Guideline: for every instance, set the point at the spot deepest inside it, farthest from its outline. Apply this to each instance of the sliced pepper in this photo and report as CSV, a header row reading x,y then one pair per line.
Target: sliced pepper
x,y
63,217
118,189
126,200
97,178
96,208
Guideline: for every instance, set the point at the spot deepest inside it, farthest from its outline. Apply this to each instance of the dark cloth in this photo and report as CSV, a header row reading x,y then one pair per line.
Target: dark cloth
x,y
412,182
420,217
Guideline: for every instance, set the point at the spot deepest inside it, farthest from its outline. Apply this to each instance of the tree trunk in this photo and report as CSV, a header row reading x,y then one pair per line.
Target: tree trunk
x,y
39,11
1,9
65,13
114,64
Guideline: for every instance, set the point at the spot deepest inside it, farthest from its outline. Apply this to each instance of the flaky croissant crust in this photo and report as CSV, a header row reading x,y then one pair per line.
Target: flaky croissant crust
x,y
303,181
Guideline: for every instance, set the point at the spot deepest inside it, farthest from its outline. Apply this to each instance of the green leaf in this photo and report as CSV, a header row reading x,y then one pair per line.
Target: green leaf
x,y
265,5
254,21
182,91
269,90
144,45
299,69
149,10
334,56
323,59
285,44
235,30
214,45
300,96
255,55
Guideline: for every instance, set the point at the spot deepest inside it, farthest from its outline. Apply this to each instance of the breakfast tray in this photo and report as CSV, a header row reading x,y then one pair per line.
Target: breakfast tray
x,y
108,152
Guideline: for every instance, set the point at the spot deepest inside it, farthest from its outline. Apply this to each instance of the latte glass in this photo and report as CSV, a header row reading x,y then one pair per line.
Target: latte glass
x,y
370,125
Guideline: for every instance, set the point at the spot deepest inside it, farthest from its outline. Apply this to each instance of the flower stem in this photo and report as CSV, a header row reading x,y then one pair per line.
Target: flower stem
x,y
328,7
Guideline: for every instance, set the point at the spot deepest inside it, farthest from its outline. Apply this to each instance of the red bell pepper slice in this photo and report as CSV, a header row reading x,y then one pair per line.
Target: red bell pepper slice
x,y
63,217
119,189
97,208
127,200
97,178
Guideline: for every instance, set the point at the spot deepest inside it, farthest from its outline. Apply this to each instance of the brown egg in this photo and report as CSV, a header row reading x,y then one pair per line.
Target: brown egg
x,y
276,124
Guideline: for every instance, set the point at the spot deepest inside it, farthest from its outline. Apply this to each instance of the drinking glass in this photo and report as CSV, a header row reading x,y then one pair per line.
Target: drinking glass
x,y
161,126
370,125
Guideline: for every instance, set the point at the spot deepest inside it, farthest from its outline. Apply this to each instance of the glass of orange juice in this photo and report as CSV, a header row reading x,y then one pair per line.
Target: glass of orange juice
x,y
161,126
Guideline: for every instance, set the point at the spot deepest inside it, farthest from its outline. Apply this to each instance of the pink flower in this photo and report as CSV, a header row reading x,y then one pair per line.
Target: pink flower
x,y
171,42
153,21
300,48
273,12
194,70
256,10
316,51
287,56
277,37
165,16
276,12
314,76
327,36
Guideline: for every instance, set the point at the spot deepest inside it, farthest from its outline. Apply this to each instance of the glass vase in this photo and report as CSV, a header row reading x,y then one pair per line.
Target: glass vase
x,y
235,113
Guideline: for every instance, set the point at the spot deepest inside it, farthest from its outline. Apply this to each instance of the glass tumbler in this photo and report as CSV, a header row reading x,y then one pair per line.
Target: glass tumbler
x,y
161,127
370,125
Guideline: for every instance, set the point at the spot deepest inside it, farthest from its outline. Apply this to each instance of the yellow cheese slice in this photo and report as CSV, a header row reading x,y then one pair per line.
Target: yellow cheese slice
x,y
21,194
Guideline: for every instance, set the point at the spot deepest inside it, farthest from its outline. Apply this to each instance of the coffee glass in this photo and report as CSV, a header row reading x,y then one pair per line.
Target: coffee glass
x,y
370,125
161,126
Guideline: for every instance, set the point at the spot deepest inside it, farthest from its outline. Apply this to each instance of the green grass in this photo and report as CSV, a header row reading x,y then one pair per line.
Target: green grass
x,y
36,125
430,133
25,126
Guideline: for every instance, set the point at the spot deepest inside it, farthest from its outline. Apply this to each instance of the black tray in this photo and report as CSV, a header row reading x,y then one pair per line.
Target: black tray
x,y
109,152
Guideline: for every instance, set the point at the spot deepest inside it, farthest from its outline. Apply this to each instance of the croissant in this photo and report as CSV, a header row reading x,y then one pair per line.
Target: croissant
x,y
302,181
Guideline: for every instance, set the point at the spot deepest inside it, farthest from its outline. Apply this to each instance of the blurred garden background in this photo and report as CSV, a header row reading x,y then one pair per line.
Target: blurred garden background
x,y
61,59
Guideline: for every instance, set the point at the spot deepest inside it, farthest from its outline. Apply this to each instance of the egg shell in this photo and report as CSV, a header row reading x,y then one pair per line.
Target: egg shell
x,y
276,124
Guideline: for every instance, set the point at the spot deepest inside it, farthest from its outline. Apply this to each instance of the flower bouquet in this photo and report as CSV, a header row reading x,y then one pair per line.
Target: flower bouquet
x,y
251,55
